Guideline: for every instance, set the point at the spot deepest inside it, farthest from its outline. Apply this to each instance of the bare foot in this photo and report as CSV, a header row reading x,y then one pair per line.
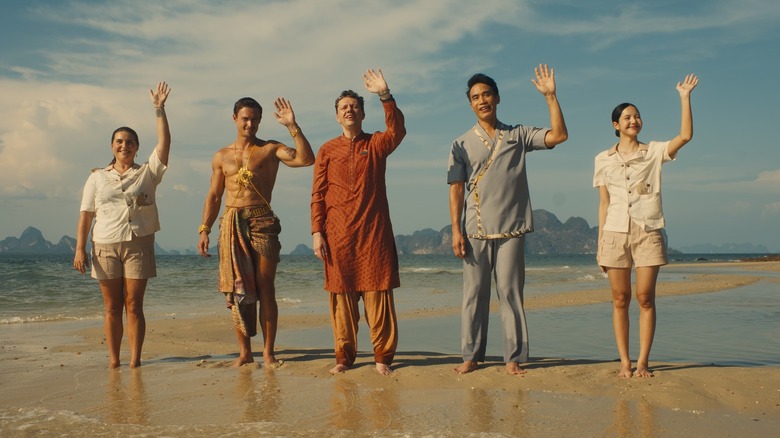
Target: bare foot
x,y
466,367
339,368
272,362
113,365
135,364
513,368
625,371
242,361
383,369
642,371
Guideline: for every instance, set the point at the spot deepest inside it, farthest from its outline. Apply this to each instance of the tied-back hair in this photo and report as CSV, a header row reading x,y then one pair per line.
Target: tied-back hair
x,y
618,111
352,94
128,130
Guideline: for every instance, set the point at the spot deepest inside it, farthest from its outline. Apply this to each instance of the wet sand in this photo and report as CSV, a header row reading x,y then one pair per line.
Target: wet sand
x,y
54,381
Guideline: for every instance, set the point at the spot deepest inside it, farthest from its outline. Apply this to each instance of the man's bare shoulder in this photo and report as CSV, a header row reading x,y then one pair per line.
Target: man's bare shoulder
x,y
228,149
270,143
269,148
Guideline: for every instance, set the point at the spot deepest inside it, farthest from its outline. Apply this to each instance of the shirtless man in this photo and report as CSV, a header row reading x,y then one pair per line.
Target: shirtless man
x,y
249,230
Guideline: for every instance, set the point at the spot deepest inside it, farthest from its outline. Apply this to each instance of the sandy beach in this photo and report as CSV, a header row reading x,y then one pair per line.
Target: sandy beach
x,y
54,381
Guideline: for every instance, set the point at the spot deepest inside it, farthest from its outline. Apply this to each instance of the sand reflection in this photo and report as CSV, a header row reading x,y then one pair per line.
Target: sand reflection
x,y
633,419
260,395
356,407
127,404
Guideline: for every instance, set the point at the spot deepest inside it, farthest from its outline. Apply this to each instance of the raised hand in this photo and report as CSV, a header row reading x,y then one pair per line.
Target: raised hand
x,y
375,81
160,95
284,113
545,79
685,87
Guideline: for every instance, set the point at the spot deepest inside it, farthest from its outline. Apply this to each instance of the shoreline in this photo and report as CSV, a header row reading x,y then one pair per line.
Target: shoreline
x,y
55,381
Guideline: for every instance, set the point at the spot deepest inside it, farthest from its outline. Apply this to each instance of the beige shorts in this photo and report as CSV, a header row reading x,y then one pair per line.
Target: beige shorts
x,y
637,247
133,259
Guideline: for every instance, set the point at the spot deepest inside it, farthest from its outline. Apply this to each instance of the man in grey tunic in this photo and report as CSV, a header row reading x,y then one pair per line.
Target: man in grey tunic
x,y
487,175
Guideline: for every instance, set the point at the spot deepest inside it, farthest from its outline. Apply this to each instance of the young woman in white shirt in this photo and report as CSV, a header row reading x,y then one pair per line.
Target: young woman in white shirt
x,y
628,176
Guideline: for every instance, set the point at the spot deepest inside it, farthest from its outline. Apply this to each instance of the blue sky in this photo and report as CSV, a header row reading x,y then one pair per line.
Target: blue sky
x,y
71,72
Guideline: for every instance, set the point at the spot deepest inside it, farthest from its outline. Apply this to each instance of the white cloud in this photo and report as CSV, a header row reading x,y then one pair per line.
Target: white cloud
x,y
770,178
772,209
183,188
57,113
53,130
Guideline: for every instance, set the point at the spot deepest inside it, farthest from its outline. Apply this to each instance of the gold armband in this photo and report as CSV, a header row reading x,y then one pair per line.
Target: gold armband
x,y
204,227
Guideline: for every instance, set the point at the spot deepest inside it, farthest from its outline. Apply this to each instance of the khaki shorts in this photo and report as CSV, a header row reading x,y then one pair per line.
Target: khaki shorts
x,y
133,259
637,247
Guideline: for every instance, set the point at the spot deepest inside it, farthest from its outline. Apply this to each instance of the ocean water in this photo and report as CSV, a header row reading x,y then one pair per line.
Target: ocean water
x,y
732,327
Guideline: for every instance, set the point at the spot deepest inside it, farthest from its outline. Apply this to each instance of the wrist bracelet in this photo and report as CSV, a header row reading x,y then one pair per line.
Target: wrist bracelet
x,y
294,133
204,227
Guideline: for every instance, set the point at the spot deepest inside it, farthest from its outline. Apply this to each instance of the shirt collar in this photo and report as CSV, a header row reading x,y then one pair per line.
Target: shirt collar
x,y
613,149
499,127
110,167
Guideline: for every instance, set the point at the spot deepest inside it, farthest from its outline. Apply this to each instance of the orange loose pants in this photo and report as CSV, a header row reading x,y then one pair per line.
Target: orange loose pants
x,y
380,315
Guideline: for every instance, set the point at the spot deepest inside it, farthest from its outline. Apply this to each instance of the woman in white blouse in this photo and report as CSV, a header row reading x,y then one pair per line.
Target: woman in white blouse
x,y
120,200
628,176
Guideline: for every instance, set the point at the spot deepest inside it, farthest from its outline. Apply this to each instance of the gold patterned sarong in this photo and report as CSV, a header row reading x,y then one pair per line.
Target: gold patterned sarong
x,y
245,234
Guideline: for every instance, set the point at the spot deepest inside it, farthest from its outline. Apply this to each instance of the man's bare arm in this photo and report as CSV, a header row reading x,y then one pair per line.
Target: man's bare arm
x,y
212,204
302,155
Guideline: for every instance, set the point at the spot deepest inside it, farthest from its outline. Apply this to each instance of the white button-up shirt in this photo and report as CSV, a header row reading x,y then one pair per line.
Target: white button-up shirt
x,y
634,186
124,204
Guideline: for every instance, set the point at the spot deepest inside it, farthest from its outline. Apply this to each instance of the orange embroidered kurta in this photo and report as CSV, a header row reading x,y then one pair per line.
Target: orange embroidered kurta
x,y
349,207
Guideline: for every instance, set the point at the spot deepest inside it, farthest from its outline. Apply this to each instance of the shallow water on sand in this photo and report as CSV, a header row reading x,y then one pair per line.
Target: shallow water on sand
x,y
731,327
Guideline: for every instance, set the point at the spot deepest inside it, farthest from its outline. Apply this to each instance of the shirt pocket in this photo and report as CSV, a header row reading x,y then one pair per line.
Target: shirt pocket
x,y
643,188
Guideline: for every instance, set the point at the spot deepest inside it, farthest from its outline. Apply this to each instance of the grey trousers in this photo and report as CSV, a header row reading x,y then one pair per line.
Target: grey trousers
x,y
504,261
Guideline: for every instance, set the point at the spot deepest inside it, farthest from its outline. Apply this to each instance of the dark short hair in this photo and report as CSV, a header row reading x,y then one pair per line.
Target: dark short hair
x,y
481,78
352,94
618,111
130,131
247,102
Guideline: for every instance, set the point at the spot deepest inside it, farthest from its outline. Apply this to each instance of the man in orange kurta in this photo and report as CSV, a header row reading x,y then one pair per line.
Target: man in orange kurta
x,y
351,228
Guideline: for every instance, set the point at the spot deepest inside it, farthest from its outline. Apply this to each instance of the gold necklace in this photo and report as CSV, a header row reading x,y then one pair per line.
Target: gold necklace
x,y
243,175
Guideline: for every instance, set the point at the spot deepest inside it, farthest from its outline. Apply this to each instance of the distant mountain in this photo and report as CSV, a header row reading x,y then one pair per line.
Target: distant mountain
x,y
302,250
550,236
32,242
